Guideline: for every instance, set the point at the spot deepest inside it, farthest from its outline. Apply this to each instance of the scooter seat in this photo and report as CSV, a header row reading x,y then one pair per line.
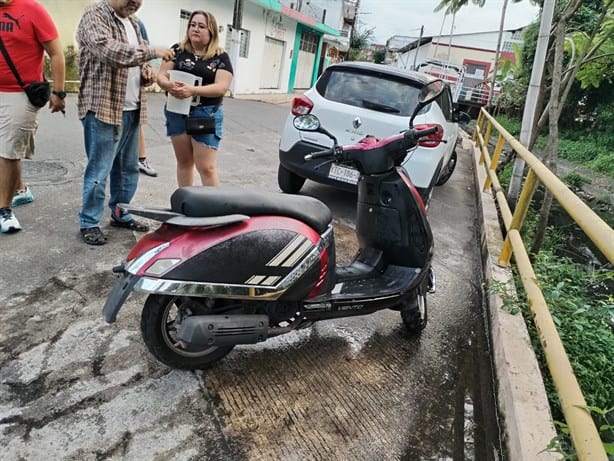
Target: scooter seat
x,y
218,201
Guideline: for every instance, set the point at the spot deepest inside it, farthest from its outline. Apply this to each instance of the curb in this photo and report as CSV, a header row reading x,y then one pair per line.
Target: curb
x,y
523,404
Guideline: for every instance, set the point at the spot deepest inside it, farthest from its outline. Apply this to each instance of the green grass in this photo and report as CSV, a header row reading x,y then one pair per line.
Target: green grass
x,y
592,150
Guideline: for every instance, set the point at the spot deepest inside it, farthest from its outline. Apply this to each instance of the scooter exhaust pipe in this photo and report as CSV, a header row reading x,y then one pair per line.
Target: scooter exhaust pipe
x,y
223,330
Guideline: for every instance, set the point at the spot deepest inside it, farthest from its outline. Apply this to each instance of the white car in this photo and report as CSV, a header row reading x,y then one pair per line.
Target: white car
x,y
353,100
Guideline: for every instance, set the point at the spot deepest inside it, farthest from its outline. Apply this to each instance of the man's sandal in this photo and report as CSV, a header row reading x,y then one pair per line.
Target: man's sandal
x,y
93,236
133,224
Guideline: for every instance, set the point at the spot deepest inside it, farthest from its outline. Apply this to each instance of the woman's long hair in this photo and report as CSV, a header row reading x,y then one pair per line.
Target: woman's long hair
x,y
213,47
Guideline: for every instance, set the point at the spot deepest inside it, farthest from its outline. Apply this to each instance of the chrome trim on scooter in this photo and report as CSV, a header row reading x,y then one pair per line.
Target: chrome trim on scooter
x,y
134,266
240,291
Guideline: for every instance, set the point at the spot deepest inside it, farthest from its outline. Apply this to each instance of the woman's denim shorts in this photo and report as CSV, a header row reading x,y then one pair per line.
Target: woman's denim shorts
x,y
175,124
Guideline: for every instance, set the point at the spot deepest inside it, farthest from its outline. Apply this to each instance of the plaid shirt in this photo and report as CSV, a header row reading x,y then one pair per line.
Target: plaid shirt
x,y
104,58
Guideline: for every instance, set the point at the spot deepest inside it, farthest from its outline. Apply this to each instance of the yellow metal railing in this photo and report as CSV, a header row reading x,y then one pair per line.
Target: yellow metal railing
x,y
584,434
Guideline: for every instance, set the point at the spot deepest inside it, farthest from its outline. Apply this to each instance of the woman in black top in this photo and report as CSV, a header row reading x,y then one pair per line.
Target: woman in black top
x,y
199,54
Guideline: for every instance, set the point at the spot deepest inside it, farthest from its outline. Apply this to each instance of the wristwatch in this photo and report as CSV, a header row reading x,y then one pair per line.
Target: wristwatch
x,y
60,94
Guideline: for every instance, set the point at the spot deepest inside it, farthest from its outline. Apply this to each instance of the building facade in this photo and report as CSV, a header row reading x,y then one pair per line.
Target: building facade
x,y
276,49
468,58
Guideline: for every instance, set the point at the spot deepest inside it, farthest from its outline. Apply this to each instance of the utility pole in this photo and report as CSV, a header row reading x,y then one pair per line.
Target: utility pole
x,y
497,54
530,106
450,39
418,47
235,39
237,15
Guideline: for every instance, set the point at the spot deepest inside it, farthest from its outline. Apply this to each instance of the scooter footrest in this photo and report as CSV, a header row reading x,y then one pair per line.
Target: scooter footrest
x,y
395,279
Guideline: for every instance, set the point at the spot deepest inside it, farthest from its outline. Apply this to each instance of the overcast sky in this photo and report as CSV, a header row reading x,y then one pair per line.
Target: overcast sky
x,y
404,17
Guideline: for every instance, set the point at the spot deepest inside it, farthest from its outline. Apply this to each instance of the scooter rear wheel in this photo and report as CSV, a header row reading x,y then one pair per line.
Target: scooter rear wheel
x,y
160,319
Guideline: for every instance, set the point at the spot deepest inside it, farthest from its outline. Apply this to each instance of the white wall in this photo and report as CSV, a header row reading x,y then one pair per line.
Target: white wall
x,y
334,12
263,23
162,20
161,17
406,60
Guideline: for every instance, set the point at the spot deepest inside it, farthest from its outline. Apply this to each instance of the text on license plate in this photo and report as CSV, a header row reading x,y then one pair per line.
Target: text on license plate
x,y
343,173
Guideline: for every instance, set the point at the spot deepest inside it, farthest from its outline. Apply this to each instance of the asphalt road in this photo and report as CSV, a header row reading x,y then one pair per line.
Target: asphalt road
x,y
75,388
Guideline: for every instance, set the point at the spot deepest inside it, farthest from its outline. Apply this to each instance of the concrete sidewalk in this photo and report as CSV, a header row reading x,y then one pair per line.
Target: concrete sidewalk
x,y
270,98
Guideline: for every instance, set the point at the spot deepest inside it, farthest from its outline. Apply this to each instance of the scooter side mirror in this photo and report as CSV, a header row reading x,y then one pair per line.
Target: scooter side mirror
x,y
428,94
310,122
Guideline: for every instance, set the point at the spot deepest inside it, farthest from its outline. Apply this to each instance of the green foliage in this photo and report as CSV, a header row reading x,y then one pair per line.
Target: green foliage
x,y
562,444
575,180
581,303
507,295
71,58
359,41
604,121
594,150
592,92
511,124
582,307
511,100
506,175
379,56
600,67
604,164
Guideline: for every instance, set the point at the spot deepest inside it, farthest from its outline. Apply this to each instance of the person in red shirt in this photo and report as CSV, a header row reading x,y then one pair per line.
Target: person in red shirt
x,y
27,32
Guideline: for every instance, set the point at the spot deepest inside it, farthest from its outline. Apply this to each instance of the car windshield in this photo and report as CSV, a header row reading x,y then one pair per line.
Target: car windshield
x,y
375,91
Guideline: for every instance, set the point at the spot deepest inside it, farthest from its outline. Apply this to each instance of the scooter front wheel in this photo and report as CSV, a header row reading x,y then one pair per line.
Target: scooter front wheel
x,y
160,321
415,314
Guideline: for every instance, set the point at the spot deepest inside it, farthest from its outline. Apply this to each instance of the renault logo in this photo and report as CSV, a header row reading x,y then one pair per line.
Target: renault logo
x,y
356,123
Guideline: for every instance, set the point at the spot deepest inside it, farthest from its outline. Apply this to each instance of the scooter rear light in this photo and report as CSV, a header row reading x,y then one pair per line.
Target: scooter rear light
x,y
301,105
161,266
432,140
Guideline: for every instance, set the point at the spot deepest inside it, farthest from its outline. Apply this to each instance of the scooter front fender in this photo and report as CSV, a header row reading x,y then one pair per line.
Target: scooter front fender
x,y
122,288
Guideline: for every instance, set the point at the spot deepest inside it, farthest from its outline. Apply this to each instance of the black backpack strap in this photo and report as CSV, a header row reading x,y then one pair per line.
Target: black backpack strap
x,y
9,61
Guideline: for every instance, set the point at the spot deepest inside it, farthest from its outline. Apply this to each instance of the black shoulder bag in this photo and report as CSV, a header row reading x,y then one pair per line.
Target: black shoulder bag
x,y
38,92
201,125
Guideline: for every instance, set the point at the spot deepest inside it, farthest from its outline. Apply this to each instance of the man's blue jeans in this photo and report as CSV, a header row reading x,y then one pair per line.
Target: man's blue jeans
x,y
112,152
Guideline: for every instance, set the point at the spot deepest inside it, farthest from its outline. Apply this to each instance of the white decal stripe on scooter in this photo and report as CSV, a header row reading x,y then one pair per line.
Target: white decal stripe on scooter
x,y
298,254
263,280
255,279
288,249
337,289
270,281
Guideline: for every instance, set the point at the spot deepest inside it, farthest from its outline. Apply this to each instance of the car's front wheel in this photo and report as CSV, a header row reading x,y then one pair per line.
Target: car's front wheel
x,y
449,170
289,182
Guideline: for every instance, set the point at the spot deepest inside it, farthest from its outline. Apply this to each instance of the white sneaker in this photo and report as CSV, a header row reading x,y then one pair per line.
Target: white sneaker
x,y
22,196
8,221
145,168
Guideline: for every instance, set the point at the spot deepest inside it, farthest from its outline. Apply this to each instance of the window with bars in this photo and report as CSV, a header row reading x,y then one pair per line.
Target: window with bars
x,y
507,46
309,42
184,18
243,41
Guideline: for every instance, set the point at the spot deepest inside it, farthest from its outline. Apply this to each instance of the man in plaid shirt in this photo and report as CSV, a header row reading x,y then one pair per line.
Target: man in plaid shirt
x,y
112,69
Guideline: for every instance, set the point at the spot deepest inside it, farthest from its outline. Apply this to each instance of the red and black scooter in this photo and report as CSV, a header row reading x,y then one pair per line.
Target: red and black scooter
x,y
230,266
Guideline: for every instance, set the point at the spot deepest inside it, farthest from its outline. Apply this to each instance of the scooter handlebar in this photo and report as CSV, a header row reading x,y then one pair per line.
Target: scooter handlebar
x,y
415,135
322,153
394,144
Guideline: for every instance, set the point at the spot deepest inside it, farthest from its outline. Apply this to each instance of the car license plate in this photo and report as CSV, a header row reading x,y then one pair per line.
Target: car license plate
x,y
343,173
